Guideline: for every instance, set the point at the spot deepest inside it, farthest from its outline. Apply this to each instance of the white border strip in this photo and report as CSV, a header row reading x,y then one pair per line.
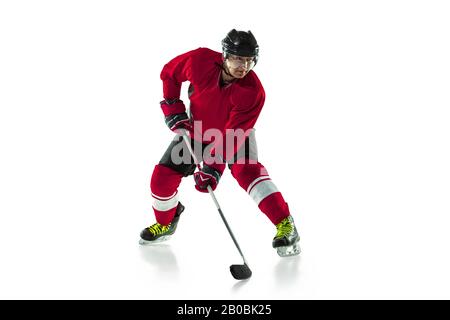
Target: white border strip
x,y
256,181
164,205
164,198
262,190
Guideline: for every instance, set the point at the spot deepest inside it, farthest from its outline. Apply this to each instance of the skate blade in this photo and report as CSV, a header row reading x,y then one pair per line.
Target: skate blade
x,y
149,243
289,251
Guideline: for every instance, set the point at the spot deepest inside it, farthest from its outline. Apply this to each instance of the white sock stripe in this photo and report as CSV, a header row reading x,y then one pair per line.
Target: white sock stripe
x,y
256,181
164,198
164,205
262,190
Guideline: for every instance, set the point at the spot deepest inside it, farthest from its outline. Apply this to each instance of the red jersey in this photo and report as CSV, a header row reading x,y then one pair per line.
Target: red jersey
x,y
233,106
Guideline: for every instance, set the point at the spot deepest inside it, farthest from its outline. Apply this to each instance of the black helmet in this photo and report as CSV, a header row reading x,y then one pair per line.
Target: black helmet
x,y
240,43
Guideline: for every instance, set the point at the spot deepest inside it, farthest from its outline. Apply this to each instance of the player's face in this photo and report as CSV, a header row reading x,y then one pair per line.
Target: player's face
x,y
239,66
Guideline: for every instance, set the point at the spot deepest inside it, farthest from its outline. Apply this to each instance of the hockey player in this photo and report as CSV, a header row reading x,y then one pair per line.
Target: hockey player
x,y
224,94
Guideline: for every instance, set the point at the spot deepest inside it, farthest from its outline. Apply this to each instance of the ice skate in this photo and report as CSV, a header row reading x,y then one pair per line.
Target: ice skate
x,y
287,238
158,233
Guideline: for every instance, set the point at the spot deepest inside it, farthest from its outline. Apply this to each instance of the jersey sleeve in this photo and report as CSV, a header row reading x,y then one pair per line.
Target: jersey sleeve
x,y
175,72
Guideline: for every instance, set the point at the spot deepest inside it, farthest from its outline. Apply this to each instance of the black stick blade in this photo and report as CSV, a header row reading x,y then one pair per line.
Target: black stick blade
x,y
240,271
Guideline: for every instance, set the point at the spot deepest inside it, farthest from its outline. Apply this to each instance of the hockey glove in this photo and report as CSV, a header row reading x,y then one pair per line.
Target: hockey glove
x,y
179,121
207,176
175,114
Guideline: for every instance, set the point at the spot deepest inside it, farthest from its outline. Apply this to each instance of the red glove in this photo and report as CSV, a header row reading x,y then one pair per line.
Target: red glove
x,y
207,176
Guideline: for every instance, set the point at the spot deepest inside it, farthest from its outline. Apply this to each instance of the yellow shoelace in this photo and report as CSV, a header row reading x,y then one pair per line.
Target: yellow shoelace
x,y
283,228
158,228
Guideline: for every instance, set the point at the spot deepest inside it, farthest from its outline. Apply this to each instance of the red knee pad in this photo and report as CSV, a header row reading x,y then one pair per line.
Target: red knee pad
x,y
245,174
165,181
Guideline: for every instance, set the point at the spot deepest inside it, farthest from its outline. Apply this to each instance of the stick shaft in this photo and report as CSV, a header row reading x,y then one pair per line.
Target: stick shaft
x,y
211,193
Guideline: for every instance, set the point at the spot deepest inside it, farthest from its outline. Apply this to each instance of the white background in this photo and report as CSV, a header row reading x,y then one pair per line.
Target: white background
x,y
355,133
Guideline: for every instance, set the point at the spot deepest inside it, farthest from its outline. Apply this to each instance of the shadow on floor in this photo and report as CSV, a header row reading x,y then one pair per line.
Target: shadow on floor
x,y
287,271
162,258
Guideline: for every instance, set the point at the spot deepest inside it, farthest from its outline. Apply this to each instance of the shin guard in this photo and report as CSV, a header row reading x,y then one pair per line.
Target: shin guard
x,y
255,179
164,185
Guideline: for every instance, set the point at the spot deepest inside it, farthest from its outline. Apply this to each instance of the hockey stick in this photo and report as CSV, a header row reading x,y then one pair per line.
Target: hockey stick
x,y
239,271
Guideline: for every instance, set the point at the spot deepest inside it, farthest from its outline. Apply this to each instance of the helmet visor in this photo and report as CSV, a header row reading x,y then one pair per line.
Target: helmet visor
x,y
241,62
